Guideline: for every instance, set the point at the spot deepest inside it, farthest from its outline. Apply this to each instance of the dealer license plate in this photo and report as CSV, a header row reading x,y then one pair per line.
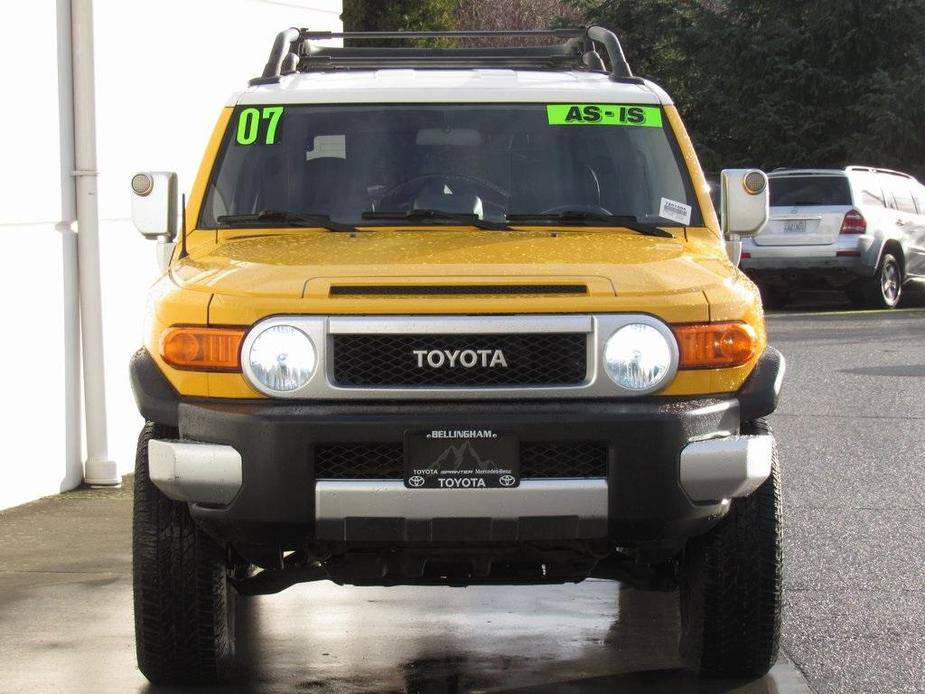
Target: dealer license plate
x,y
795,226
461,459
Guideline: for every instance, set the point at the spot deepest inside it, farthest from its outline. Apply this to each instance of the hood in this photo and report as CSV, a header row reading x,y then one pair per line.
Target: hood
x,y
288,264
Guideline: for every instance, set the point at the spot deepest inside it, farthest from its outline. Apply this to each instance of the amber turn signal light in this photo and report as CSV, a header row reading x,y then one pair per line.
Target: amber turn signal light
x,y
201,348
715,345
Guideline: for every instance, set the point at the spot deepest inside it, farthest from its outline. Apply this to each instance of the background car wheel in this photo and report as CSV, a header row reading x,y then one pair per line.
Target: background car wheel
x,y
774,297
730,586
884,289
184,627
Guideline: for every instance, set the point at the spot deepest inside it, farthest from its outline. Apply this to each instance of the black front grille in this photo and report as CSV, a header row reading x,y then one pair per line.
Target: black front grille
x,y
383,461
535,359
567,459
358,461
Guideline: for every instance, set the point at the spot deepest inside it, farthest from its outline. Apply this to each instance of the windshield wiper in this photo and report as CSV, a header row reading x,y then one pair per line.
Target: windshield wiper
x,y
299,219
429,215
579,216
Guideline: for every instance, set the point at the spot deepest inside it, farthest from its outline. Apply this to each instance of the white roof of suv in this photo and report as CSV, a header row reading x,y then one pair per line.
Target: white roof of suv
x,y
448,86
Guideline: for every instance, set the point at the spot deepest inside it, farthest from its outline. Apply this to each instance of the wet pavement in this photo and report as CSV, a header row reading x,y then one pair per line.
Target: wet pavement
x,y
66,614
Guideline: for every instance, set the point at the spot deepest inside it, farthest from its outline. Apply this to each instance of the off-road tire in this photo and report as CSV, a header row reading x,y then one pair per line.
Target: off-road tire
x,y
730,585
184,626
873,292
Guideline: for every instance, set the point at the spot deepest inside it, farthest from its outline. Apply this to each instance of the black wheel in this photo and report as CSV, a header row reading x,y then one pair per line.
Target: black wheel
x,y
184,627
730,586
774,297
884,289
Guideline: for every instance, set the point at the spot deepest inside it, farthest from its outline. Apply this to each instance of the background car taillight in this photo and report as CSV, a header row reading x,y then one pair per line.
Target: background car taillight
x,y
853,223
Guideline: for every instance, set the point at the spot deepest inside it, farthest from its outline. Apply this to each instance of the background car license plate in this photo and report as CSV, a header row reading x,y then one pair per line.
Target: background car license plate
x,y
461,459
795,226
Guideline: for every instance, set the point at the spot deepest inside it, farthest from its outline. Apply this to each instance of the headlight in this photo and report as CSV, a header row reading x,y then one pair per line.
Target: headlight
x,y
638,357
282,358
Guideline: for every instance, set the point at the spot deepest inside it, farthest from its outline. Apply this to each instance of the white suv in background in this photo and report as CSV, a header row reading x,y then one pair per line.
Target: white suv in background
x,y
859,229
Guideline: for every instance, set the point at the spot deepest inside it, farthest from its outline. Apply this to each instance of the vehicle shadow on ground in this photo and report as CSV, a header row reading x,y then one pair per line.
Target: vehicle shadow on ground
x,y
832,300
425,650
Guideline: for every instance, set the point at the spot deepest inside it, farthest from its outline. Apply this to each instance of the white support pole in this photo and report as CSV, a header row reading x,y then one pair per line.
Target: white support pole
x,y
73,463
98,468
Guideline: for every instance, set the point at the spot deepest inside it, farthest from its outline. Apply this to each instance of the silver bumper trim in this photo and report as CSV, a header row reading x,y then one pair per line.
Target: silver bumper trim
x,y
725,468
342,499
195,472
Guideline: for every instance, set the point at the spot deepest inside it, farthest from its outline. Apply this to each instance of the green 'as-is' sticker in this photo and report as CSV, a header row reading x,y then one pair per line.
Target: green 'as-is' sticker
x,y
604,114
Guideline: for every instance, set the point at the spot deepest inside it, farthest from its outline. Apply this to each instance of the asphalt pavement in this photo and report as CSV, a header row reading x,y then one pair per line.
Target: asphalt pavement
x,y
851,427
851,431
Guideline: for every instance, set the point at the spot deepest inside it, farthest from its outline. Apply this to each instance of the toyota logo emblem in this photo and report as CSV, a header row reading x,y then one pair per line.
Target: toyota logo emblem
x,y
507,480
416,481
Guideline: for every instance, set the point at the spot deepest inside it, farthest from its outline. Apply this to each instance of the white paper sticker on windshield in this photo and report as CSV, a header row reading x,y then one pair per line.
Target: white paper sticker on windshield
x,y
675,211
327,147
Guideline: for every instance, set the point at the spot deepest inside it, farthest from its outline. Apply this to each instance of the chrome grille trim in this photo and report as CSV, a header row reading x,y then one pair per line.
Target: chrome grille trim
x,y
457,325
322,385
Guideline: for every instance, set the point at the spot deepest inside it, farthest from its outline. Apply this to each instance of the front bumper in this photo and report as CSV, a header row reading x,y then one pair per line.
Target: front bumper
x,y
212,475
671,464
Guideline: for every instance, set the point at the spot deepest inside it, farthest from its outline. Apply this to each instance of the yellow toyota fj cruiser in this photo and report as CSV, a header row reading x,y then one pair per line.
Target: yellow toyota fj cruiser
x,y
453,316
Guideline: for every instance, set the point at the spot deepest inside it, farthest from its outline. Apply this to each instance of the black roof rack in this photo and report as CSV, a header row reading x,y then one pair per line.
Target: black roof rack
x,y
293,52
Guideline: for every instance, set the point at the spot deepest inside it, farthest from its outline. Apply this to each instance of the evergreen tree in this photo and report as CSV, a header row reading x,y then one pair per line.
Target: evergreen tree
x,y
785,82
398,15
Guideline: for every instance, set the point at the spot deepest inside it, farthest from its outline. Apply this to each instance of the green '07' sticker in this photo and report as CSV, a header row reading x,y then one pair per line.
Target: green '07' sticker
x,y
604,114
252,121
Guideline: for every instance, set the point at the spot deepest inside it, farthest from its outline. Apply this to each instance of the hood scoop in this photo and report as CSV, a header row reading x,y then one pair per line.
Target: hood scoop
x,y
457,289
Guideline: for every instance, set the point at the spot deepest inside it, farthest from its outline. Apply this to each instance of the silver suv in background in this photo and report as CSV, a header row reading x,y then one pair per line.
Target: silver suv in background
x,y
859,229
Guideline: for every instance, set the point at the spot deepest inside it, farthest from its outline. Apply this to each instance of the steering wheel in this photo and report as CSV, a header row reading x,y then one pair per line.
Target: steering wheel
x,y
419,181
578,207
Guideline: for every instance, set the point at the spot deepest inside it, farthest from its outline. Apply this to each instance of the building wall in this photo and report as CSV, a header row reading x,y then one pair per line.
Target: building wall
x,y
163,71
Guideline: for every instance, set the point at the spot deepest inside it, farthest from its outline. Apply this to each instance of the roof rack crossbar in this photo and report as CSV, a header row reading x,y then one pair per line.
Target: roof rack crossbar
x,y
292,51
571,49
375,35
326,64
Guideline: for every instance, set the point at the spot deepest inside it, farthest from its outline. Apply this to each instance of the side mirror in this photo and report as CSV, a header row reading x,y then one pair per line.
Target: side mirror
x,y
743,202
154,204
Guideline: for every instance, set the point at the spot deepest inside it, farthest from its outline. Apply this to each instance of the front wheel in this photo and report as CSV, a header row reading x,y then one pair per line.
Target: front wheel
x,y
730,585
184,627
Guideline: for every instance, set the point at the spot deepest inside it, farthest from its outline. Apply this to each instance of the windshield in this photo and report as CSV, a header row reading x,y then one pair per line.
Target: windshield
x,y
474,161
793,191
